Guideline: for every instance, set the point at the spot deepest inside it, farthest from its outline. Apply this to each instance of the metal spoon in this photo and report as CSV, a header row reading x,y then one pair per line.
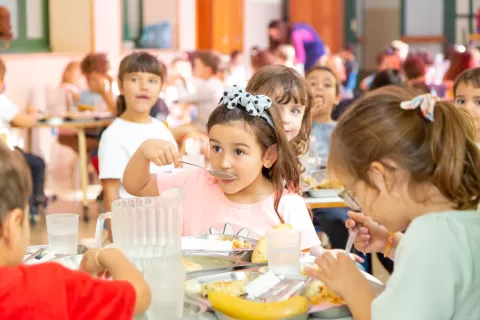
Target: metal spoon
x,y
34,255
216,174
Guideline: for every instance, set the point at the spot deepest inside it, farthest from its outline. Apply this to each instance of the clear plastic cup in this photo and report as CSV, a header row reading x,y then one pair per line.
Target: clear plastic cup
x,y
283,246
62,229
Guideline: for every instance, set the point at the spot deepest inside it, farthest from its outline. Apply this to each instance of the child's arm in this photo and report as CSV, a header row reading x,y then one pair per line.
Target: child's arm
x,y
137,179
111,190
25,119
119,268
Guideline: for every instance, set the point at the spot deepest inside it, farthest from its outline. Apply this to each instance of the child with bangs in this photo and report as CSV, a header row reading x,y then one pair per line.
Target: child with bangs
x,y
247,139
140,80
293,100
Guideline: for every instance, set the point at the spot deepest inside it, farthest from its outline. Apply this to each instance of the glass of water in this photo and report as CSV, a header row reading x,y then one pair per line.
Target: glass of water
x,y
62,229
283,246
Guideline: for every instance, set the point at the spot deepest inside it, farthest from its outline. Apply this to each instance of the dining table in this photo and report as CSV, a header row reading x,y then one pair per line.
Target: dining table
x,y
79,124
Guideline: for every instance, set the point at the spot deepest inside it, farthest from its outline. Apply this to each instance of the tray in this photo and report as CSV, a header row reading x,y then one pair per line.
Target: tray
x,y
332,311
221,316
81,249
224,237
193,285
192,309
210,262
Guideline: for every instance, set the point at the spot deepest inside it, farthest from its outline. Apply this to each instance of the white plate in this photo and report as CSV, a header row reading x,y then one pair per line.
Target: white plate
x,y
323,193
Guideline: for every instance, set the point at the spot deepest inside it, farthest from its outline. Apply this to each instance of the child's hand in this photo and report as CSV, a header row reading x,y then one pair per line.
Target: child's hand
x,y
88,263
340,274
371,237
160,152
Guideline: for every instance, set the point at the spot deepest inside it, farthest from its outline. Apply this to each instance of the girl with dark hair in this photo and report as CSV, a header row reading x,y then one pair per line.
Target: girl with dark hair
x,y
247,140
140,80
309,47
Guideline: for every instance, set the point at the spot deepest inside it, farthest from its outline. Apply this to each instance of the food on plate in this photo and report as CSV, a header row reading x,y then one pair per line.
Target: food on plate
x,y
84,107
239,308
237,243
241,244
230,288
317,293
191,266
260,254
329,184
309,181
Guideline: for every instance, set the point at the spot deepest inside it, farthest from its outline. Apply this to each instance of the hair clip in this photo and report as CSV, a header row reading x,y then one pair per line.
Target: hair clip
x,y
256,105
426,102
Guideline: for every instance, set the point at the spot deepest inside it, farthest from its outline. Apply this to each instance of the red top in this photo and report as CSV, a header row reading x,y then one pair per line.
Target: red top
x,y
50,291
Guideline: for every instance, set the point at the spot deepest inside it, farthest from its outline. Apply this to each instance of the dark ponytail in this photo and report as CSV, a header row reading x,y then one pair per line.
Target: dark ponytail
x,y
121,105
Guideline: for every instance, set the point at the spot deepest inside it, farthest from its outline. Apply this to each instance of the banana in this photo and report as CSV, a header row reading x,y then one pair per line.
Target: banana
x,y
242,309
259,254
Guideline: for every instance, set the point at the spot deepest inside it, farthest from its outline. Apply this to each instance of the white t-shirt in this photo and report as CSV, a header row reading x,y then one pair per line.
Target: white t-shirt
x,y
121,140
8,111
206,98
437,270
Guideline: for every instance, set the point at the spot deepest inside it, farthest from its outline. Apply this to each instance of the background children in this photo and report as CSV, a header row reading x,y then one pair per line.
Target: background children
x,y
10,115
247,140
285,55
48,290
325,88
140,79
207,93
466,91
293,102
260,58
413,166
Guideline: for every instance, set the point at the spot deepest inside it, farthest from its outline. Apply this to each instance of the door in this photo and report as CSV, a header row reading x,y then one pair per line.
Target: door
x,y
326,17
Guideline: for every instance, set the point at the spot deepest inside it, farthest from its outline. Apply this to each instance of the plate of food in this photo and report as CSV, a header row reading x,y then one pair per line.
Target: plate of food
x,y
218,243
327,188
225,293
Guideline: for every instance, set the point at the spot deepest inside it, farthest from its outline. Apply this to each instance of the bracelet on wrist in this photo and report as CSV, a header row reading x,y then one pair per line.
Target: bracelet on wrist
x,y
389,244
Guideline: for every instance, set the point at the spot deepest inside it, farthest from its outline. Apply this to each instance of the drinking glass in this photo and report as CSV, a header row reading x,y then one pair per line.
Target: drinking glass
x,y
62,229
283,246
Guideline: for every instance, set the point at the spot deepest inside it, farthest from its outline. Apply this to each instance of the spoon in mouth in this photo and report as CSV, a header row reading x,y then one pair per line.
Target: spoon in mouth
x,y
216,174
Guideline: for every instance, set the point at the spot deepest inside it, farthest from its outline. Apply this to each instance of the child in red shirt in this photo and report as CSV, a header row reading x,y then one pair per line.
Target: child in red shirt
x,y
50,291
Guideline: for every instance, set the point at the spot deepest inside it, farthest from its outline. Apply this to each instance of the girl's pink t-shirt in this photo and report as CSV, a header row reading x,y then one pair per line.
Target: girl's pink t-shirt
x,y
206,209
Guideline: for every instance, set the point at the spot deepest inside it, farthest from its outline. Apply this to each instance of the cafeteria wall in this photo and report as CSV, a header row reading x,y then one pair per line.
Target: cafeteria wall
x,y
29,73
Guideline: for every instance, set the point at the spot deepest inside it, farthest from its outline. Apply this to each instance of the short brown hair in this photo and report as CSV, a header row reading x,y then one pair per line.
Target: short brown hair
x,y
282,85
414,67
95,62
260,58
209,58
469,77
3,69
327,69
442,152
15,182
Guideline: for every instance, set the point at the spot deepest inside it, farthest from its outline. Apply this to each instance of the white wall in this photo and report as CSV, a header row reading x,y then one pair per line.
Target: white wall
x,y
107,26
257,16
187,25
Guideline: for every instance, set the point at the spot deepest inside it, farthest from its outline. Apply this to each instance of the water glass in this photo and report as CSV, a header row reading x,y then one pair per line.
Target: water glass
x,y
62,229
283,246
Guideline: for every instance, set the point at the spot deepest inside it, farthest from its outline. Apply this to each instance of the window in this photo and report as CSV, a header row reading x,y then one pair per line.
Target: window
x,y
160,16
132,20
29,20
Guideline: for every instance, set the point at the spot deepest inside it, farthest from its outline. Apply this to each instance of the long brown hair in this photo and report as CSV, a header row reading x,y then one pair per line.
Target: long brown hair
x,y
442,152
285,30
137,62
283,85
284,168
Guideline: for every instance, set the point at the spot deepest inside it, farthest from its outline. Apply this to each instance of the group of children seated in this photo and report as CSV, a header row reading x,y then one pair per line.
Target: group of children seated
x,y
408,159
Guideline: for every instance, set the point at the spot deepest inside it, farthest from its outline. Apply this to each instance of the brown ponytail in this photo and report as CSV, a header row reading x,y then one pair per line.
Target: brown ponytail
x,y
121,105
457,157
442,152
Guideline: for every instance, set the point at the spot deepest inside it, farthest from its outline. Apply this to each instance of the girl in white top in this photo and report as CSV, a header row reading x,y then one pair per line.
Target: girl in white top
x,y
411,165
140,80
